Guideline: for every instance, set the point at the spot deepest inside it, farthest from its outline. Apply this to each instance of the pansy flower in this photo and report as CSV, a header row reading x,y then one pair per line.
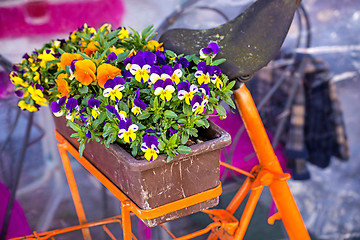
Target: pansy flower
x,y
203,73
16,80
121,115
183,62
215,76
26,106
164,72
85,71
205,90
164,89
113,88
211,49
56,107
67,58
123,33
73,109
62,85
138,105
127,130
154,45
91,48
46,56
149,147
94,104
141,64
106,71
198,104
37,94
185,91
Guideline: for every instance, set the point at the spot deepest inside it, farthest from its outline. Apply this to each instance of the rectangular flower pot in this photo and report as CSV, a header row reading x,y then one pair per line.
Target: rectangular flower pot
x,y
152,184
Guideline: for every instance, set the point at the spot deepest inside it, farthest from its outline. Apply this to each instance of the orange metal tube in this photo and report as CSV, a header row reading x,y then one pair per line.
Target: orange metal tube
x,y
237,169
74,190
247,213
126,221
200,232
280,190
239,196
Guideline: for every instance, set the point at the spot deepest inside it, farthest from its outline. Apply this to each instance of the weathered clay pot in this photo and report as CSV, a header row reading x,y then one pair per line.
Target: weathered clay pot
x,y
152,184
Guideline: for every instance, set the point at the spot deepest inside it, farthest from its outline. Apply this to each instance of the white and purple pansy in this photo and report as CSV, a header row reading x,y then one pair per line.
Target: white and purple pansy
x,y
56,107
212,49
138,105
127,130
198,104
186,91
203,73
73,109
205,90
164,89
121,115
141,64
113,88
149,147
94,104
164,72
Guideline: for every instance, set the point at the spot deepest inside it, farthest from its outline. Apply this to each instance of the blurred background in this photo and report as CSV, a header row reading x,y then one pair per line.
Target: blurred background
x,y
316,71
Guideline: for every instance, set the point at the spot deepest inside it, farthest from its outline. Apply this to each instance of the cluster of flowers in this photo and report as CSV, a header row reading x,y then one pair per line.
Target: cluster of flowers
x,y
117,86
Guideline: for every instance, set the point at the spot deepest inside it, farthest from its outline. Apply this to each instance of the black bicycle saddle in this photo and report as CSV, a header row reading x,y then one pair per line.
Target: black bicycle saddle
x,y
248,42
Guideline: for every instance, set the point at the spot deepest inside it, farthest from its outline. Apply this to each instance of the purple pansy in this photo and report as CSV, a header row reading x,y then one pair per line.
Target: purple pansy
x,y
94,104
138,105
185,91
164,89
113,88
149,147
56,106
127,130
212,48
198,104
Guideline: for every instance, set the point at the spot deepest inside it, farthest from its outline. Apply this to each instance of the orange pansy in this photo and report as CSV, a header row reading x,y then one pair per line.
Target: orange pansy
x,y
85,71
106,71
67,58
91,48
63,85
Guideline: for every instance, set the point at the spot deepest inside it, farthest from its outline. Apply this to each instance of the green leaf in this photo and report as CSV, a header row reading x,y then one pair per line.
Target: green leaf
x,y
99,120
113,34
172,141
221,110
219,61
84,89
170,114
161,145
187,110
169,158
81,148
67,69
183,149
182,120
147,31
74,126
184,138
230,102
61,51
121,56
83,55
170,53
144,115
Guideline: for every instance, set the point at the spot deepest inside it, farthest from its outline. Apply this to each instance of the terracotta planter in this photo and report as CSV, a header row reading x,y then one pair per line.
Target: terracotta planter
x,y
152,184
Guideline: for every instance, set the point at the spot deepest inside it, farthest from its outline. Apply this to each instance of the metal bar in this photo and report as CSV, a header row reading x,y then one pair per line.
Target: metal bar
x,y
108,232
237,169
280,190
126,221
200,232
73,189
239,196
167,230
248,212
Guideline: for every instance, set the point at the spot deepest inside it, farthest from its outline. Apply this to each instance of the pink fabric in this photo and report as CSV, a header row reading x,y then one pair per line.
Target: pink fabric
x,y
18,225
43,17
243,148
